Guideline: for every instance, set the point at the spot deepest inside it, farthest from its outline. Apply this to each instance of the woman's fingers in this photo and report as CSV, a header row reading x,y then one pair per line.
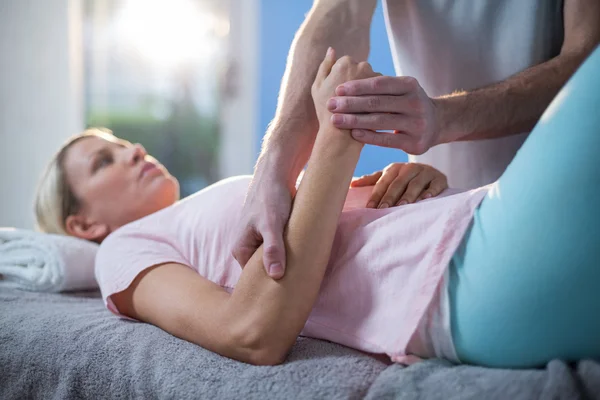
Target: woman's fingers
x,y
402,183
326,65
398,187
366,180
415,188
381,187
437,186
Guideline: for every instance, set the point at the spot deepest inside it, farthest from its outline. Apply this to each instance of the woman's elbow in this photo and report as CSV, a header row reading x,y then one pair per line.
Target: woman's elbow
x,y
256,348
266,357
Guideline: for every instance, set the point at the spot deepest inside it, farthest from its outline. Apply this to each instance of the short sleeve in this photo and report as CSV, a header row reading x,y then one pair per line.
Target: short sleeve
x,y
126,253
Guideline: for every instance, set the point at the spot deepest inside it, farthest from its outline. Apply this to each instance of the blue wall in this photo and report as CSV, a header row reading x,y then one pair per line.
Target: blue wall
x,y
279,21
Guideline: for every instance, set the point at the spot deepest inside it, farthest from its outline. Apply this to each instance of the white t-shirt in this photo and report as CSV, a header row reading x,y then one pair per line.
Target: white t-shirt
x,y
451,45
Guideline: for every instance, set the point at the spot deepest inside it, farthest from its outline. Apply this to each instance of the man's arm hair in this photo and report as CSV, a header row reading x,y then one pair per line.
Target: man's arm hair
x,y
341,24
515,104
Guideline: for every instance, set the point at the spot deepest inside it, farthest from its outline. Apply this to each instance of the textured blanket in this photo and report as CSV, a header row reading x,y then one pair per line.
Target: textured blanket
x,y
70,347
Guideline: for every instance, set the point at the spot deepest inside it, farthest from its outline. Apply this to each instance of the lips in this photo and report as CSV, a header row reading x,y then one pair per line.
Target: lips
x,y
147,167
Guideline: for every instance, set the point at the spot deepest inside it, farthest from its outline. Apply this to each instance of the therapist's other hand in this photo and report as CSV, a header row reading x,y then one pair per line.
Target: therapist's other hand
x,y
402,183
395,103
266,210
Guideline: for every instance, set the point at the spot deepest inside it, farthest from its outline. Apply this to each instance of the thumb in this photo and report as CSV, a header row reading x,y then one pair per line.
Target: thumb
x,y
367,180
246,246
326,65
274,254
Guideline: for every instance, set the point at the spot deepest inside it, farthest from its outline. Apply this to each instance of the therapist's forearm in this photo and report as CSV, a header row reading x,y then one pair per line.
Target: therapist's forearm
x,y
341,24
506,108
516,104
270,314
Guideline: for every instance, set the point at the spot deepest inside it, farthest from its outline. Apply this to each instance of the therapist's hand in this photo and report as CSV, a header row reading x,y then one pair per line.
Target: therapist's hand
x,y
402,183
266,210
387,103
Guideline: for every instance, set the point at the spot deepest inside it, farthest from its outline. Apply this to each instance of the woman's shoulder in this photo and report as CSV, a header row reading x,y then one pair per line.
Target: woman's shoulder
x,y
177,232
234,185
224,195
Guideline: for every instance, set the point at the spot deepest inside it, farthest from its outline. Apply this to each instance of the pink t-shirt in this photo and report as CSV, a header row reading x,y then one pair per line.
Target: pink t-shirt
x,y
384,274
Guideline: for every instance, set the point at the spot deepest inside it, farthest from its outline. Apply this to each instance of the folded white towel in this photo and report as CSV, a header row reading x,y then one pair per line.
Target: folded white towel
x,y
44,262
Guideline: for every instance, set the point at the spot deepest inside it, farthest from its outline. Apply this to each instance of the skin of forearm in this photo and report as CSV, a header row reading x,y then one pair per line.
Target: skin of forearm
x,y
270,314
341,24
506,108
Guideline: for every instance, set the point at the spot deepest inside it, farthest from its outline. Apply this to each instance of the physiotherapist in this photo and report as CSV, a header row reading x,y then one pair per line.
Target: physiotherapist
x,y
473,78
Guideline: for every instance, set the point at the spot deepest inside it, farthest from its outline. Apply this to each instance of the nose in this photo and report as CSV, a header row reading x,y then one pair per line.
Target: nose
x,y
137,152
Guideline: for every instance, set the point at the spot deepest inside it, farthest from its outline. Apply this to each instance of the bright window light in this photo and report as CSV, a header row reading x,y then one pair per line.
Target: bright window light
x,y
168,33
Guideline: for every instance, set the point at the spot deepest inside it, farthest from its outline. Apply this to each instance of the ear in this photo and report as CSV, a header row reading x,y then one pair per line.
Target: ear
x,y
83,228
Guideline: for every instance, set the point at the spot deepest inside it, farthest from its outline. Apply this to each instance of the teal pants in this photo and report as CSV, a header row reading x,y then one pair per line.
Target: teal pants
x,y
524,284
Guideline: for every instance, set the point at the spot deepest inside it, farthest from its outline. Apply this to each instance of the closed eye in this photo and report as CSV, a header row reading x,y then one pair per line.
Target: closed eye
x,y
103,159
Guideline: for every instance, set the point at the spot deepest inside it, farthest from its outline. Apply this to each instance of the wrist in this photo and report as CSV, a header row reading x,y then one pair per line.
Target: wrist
x,y
334,140
449,113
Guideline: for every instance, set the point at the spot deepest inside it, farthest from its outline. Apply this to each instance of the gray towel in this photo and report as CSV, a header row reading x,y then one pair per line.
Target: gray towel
x,y
440,380
70,347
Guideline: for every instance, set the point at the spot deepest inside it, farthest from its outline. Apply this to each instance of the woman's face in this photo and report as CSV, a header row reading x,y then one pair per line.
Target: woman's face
x,y
116,183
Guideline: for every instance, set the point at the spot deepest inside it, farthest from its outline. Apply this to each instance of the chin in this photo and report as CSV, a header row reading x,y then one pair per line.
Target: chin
x,y
162,195
175,188
170,191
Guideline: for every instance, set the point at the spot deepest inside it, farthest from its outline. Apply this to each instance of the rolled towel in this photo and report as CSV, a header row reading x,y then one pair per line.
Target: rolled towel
x,y
45,262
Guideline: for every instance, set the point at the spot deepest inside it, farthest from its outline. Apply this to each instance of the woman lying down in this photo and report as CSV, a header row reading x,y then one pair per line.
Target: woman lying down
x,y
502,276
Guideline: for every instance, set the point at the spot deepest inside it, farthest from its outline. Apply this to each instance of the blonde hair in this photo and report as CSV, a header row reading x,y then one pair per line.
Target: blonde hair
x,y
54,200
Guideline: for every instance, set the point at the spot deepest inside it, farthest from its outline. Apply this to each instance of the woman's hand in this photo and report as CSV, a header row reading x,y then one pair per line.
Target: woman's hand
x,y
330,75
402,183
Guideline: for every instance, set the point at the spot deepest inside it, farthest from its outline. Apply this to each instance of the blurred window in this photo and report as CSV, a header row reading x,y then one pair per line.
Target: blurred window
x,y
152,71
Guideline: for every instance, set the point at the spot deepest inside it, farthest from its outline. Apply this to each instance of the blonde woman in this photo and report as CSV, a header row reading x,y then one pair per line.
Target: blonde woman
x,y
502,276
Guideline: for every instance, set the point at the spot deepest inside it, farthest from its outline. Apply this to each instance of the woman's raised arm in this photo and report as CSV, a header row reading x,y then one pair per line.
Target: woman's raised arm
x,y
259,322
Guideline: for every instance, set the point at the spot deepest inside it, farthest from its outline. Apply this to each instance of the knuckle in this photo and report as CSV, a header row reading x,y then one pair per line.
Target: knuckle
x,y
393,171
348,103
345,60
443,182
390,169
387,140
379,140
378,83
419,147
413,190
373,102
418,168
364,67
410,166
410,82
271,251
